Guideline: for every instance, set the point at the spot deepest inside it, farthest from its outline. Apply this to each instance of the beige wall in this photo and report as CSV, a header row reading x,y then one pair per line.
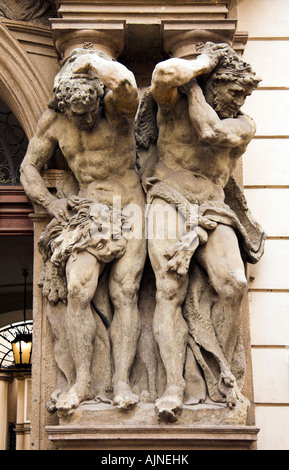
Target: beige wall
x,y
266,179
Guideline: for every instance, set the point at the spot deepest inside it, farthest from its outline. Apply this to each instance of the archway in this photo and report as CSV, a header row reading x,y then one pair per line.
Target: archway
x,y
21,86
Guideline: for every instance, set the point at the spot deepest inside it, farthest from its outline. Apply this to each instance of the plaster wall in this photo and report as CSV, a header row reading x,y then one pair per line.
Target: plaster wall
x,y
266,168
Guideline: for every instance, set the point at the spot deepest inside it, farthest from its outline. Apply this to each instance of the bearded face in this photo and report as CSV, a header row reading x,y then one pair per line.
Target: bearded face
x,y
226,97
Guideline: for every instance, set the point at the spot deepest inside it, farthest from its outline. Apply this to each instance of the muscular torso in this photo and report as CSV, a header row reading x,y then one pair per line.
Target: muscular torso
x,y
187,164
102,160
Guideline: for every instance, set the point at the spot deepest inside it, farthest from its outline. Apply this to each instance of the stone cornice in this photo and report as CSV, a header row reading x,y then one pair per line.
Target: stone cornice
x,y
147,30
146,9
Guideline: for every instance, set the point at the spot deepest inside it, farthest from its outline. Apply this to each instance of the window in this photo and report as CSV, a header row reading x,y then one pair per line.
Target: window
x,y
13,146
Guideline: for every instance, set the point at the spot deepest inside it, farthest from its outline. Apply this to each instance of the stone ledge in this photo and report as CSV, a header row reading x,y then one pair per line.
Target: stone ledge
x,y
14,211
103,426
145,415
153,437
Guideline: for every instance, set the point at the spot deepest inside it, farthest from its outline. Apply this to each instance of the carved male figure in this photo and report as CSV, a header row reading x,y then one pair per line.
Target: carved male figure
x,y
201,135
94,104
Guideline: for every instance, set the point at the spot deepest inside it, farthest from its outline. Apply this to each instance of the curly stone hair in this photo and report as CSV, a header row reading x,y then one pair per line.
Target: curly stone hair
x,y
72,87
232,68
76,90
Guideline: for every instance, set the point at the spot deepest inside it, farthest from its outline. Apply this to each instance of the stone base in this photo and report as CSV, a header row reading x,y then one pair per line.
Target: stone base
x,y
104,427
153,438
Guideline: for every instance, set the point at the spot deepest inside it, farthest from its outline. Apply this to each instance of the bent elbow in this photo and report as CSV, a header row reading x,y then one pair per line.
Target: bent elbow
x,y
23,172
130,82
23,167
158,73
208,136
26,168
166,72
128,90
215,135
133,96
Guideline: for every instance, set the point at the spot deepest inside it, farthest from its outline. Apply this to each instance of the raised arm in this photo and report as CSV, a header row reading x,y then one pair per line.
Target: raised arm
x,y
123,96
230,132
40,149
171,74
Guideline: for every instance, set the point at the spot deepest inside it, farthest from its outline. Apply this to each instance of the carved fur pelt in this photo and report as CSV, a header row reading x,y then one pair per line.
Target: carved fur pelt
x,y
93,228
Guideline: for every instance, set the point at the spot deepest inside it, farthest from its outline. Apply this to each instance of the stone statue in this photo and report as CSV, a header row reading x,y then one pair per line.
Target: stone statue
x,y
35,11
200,230
92,258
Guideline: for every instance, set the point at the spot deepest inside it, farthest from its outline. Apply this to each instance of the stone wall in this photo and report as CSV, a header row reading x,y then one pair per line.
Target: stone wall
x,y
266,180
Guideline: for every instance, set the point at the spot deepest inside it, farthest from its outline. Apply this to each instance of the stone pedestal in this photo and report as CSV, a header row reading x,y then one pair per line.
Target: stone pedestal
x,y
154,438
104,427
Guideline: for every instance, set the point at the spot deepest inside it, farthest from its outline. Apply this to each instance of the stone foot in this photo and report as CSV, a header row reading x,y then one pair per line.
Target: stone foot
x,y
51,405
123,396
228,387
78,393
170,404
102,398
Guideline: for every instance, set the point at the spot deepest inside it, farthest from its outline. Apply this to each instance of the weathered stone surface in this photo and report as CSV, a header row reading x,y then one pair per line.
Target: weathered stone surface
x,y
37,11
91,302
145,414
199,248
183,361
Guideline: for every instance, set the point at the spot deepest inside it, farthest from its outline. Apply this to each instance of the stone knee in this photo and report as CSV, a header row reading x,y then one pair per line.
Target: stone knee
x,y
171,293
169,287
82,278
232,286
124,297
78,294
123,294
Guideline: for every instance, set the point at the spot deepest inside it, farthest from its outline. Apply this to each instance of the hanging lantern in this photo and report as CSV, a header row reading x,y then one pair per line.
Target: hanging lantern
x,y
22,350
22,343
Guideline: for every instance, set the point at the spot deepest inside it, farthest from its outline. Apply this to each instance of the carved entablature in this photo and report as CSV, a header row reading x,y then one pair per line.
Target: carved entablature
x,y
146,30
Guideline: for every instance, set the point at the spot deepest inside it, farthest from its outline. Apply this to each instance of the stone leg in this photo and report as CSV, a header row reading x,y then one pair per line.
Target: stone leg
x,y
169,326
221,259
124,284
82,277
56,315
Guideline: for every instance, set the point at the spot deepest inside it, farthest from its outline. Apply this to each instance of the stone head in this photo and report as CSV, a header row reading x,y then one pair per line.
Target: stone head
x,y
79,99
229,85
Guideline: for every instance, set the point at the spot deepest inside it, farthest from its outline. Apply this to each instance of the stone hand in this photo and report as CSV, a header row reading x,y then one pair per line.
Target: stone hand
x,y
59,209
82,65
179,255
214,52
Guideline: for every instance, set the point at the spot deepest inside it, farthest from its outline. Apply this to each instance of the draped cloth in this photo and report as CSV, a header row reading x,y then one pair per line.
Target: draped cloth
x,y
223,380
